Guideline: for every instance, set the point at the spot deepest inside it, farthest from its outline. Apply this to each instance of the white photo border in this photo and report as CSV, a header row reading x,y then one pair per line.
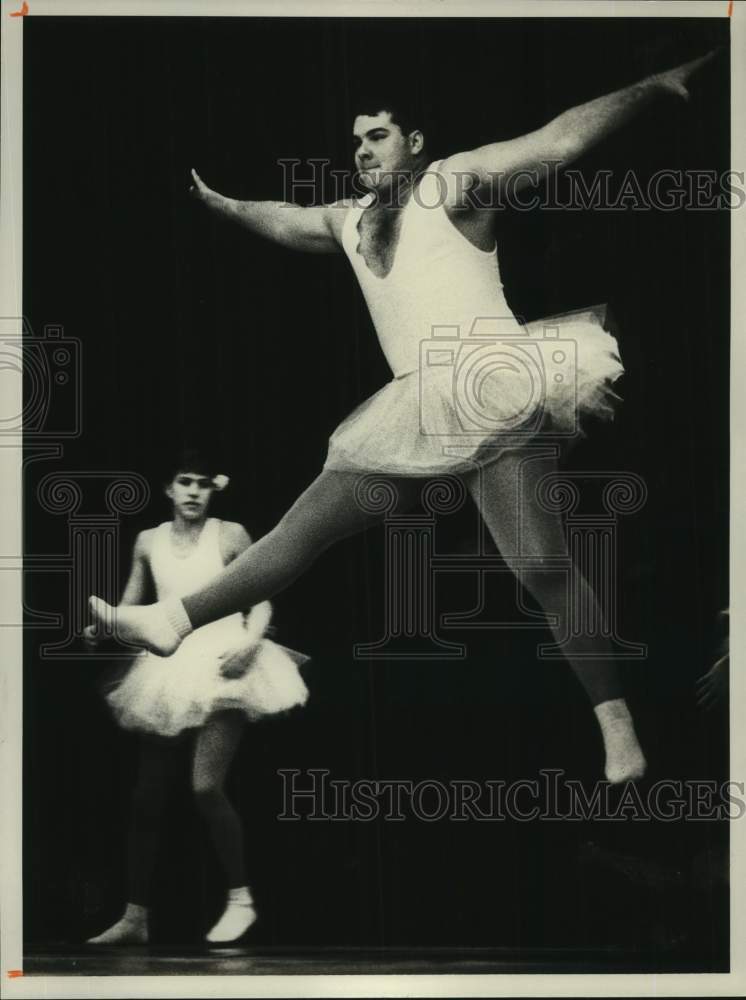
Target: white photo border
x,y
14,984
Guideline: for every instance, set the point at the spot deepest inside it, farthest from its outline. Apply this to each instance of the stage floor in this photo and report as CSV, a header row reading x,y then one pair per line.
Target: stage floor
x,y
246,961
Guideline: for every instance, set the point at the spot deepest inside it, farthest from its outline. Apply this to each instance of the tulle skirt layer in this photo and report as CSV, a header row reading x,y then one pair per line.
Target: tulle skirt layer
x,y
472,398
166,695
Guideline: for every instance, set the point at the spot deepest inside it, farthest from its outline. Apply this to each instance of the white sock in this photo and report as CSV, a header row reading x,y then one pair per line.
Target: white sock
x,y
625,760
132,928
158,627
238,916
176,616
240,895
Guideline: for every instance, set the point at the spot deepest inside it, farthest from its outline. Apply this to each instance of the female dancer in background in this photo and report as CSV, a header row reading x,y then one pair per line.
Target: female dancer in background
x,y
224,674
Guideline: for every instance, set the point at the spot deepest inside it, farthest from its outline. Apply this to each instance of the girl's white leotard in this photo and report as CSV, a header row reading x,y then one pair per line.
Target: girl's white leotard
x,y
177,575
166,695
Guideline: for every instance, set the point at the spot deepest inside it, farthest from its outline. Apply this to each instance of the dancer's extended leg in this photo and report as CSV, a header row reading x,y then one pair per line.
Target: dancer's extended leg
x,y
326,512
158,761
505,492
216,746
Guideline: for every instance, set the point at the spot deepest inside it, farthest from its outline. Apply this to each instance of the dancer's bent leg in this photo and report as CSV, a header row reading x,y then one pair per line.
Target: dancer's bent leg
x,y
324,513
215,748
505,492
158,761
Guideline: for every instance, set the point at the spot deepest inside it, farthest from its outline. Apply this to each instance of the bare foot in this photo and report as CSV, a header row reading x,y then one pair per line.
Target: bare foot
x,y
146,626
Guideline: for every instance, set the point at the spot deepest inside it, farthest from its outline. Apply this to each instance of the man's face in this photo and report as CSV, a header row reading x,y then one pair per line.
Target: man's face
x,y
381,150
191,493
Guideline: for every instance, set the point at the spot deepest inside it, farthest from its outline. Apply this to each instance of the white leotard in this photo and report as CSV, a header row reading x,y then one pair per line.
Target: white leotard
x,y
438,278
177,576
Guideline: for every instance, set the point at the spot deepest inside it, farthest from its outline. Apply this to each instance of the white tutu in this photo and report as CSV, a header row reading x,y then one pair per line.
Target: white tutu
x,y
166,695
488,389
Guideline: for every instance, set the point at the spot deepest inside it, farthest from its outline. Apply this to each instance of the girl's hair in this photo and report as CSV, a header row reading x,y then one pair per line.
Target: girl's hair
x,y
193,460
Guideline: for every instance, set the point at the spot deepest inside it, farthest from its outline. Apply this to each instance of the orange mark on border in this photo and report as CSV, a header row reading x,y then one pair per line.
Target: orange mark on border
x,y
20,13
14,973
730,8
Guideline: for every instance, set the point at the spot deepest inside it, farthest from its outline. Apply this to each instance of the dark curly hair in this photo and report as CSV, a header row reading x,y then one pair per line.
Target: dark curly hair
x,y
191,459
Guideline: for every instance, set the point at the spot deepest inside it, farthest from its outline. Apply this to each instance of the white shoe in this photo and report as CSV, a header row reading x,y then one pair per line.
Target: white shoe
x,y
235,921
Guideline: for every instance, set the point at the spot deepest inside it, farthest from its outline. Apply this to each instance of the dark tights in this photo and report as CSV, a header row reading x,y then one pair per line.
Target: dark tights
x,y
214,748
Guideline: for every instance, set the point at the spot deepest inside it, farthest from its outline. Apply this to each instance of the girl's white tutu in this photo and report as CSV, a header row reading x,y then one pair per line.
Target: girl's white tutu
x,y
473,395
166,695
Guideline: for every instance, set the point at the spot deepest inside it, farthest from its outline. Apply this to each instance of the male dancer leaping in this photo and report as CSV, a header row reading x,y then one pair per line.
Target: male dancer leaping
x,y
423,248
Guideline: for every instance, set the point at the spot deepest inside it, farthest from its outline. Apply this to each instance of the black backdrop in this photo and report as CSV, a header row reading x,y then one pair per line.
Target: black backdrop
x,y
193,330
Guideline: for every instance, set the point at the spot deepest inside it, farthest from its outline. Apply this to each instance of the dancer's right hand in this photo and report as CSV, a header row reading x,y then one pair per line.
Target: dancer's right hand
x,y
676,80
235,662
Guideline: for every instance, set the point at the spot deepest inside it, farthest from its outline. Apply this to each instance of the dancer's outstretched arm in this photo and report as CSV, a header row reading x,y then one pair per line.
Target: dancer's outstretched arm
x,y
316,229
529,158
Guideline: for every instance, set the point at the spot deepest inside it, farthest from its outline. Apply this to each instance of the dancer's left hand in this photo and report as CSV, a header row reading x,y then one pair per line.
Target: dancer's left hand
x,y
235,662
